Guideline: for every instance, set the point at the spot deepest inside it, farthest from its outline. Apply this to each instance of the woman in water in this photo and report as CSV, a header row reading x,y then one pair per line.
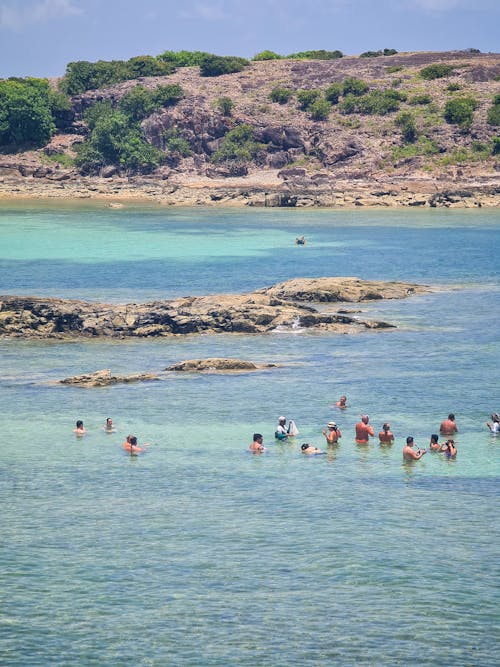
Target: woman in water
x,y
449,449
386,437
333,434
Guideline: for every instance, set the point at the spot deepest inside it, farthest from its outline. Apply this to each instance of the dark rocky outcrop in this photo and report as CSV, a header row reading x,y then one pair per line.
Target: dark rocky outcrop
x,y
256,312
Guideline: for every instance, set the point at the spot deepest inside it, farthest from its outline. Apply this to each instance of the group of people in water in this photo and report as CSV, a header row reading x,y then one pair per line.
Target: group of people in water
x,y
364,431
130,445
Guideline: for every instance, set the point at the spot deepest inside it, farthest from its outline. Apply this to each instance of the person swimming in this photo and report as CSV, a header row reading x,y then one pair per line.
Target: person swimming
x,y
109,428
341,403
80,428
130,445
307,448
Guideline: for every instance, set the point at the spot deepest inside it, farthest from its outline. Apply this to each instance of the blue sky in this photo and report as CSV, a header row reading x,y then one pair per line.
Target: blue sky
x,y
39,37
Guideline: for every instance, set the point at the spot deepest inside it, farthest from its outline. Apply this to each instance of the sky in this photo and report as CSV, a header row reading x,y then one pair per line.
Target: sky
x,y
39,37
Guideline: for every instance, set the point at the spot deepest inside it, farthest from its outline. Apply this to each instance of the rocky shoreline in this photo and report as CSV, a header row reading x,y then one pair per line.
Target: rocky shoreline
x,y
279,307
267,189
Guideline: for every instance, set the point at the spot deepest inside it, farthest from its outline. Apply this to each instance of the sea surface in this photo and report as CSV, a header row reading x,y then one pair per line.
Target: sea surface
x,y
200,554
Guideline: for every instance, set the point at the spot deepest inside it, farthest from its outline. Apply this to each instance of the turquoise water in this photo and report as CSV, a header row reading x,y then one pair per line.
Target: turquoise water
x,y
200,554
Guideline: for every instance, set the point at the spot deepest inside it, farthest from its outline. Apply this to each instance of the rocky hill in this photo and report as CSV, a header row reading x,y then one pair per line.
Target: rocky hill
x,y
350,157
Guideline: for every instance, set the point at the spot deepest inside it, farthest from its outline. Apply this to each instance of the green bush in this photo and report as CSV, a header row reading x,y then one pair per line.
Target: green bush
x,y
494,112
453,87
316,55
280,95
406,122
333,92
212,65
26,112
175,144
392,69
460,111
115,139
420,99
353,86
375,54
267,55
83,75
495,150
307,97
238,144
225,105
139,102
436,71
183,58
376,102
320,109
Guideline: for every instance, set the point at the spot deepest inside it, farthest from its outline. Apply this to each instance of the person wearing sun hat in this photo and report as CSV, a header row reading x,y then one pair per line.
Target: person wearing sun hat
x,y
333,434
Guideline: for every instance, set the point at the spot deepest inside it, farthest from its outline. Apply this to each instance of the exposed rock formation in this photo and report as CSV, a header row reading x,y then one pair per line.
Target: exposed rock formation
x,y
256,312
104,378
218,364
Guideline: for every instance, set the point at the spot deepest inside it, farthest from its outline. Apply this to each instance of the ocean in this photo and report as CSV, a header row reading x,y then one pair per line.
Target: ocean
x,y
198,553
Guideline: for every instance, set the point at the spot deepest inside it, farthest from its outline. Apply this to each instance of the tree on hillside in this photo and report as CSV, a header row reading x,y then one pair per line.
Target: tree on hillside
x,y
25,112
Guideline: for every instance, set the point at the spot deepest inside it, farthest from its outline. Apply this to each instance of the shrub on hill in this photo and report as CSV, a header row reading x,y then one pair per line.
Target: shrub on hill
x,y
183,58
267,55
420,99
28,112
436,71
495,150
212,65
307,97
376,102
406,122
460,111
238,145
140,102
82,75
225,105
353,86
316,55
375,54
320,109
280,94
333,92
494,112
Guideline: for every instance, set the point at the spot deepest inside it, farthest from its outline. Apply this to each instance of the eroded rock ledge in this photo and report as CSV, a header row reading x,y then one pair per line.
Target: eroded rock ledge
x,y
256,312
217,365
104,379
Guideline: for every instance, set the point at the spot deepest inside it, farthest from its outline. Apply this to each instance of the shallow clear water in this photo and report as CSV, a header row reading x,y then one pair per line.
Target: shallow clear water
x,y
199,553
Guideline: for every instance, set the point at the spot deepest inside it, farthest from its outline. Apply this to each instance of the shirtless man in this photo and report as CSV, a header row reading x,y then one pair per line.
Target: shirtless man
x,y
257,446
434,445
333,434
410,454
342,403
80,428
386,437
363,430
448,426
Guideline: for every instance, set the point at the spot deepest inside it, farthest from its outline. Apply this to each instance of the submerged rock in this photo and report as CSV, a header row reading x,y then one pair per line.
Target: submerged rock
x,y
218,364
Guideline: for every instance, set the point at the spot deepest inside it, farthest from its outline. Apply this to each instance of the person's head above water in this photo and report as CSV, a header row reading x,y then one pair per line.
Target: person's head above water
x,y
132,441
257,437
306,445
109,421
451,417
365,419
386,426
409,440
434,438
281,420
79,424
332,425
